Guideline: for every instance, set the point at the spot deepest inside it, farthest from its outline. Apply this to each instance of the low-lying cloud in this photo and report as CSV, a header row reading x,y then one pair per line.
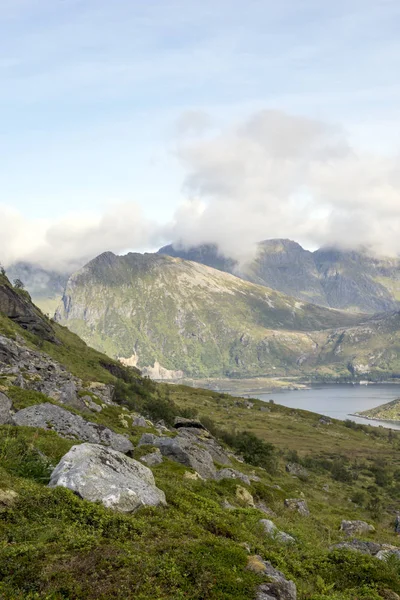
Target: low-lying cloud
x,y
274,175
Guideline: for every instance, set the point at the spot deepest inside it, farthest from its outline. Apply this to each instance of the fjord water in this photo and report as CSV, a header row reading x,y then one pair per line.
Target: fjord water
x,y
339,401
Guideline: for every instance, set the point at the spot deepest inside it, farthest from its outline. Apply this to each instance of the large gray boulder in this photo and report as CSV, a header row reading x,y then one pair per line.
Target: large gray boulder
x,y
68,425
100,474
352,528
5,410
185,451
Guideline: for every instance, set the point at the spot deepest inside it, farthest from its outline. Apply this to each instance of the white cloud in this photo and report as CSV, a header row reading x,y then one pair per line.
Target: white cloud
x,y
278,175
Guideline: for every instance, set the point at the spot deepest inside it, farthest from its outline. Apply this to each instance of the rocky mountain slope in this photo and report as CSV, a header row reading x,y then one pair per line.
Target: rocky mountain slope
x,y
215,324
211,323
347,280
101,500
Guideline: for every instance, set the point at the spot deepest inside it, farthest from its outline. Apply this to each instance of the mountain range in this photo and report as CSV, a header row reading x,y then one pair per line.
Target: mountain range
x,y
173,318
343,279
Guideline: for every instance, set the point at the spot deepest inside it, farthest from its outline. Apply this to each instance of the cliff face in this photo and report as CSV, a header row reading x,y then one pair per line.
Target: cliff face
x,y
347,280
16,305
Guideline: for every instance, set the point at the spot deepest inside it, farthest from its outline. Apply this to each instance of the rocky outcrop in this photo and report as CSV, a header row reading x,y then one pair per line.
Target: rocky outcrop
x,y
5,410
104,475
298,505
297,470
356,545
232,474
271,529
278,587
16,305
52,417
352,528
184,451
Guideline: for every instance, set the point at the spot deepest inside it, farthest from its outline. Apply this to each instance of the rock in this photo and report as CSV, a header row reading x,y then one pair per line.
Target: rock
x,y
193,476
358,546
7,499
187,423
139,422
325,421
204,439
299,505
66,424
265,409
153,459
19,381
271,529
232,474
387,551
265,509
5,410
91,405
297,470
325,487
244,496
100,474
352,528
183,450
69,397
397,524
279,588
227,505
148,439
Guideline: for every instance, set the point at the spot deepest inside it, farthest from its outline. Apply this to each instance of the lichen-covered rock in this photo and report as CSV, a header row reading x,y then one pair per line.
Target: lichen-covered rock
x,y
278,588
153,459
7,499
358,546
352,528
232,474
387,551
297,470
271,529
100,474
299,505
244,496
5,410
66,424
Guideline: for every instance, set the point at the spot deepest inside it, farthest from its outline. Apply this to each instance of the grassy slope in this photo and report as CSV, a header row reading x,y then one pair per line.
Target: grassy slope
x,y
56,546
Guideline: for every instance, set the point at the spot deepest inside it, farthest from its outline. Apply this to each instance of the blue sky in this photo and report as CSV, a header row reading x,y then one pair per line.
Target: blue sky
x,y
91,90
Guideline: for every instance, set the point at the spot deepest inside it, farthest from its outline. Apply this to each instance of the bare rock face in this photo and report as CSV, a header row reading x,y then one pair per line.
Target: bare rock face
x,y
5,410
278,588
66,424
352,528
100,474
299,505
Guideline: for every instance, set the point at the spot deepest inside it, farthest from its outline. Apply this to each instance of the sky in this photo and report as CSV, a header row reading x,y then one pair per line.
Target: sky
x,y
125,125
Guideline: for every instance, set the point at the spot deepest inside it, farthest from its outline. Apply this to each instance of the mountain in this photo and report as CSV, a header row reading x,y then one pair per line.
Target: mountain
x,y
172,317
45,286
225,499
347,280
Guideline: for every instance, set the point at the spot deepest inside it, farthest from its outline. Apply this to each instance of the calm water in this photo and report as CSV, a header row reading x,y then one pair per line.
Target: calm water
x,y
337,401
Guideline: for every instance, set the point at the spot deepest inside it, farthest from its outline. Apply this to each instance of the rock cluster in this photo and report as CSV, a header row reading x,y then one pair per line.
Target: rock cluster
x,y
278,588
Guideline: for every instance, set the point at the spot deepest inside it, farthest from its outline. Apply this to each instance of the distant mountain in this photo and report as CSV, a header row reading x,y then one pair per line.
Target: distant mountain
x,y
45,287
166,315
347,280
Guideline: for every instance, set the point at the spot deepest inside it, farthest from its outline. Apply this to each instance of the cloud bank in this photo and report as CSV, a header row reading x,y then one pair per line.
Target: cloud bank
x,y
273,175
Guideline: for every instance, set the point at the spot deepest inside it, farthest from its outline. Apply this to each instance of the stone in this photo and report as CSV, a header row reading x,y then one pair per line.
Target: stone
x,y
185,451
244,496
352,528
187,423
397,524
91,405
232,474
299,505
153,459
139,422
278,588
358,546
203,438
193,476
100,474
387,551
7,499
68,425
69,397
5,410
325,487
265,509
325,421
297,470
271,529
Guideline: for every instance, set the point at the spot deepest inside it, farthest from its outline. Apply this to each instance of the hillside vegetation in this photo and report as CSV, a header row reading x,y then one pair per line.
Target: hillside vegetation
x,y
208,540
